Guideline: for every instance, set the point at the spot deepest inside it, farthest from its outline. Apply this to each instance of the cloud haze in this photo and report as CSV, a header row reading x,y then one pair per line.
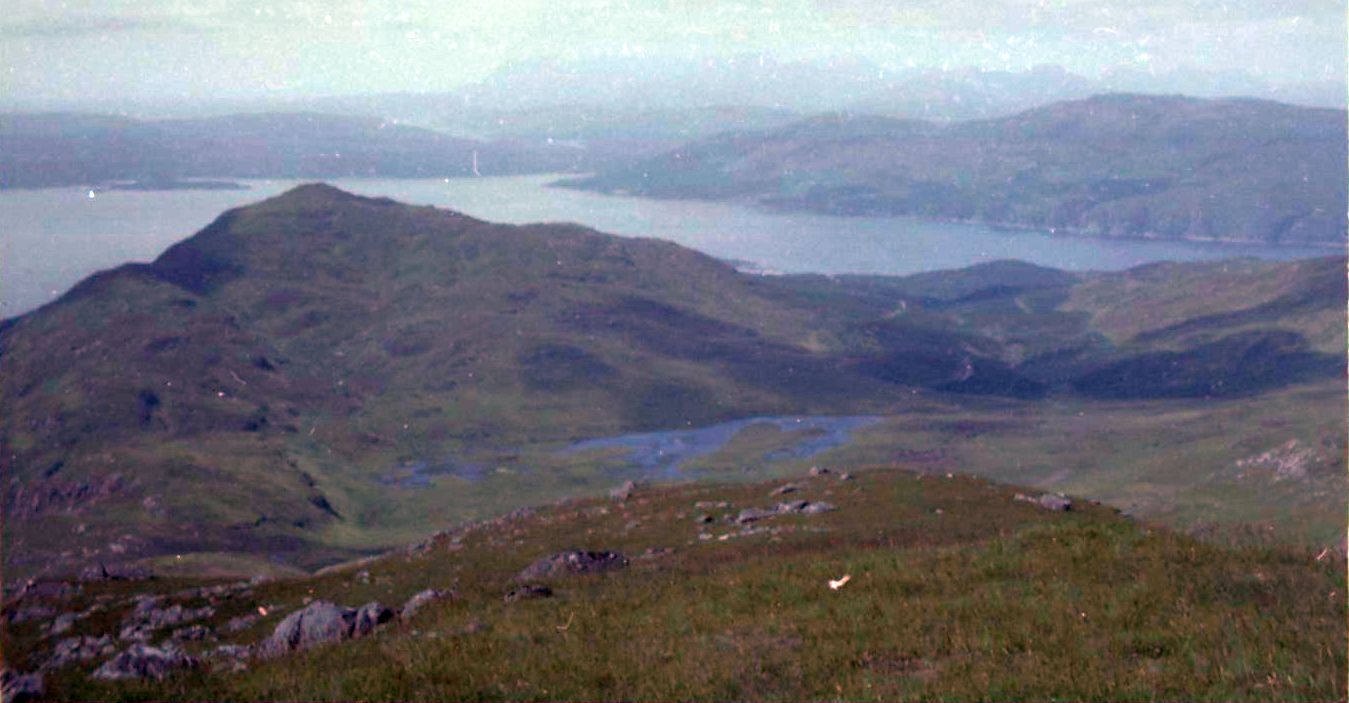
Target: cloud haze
x,y
176,50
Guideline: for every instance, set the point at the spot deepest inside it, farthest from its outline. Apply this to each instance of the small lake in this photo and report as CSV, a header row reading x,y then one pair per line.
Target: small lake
x,y
52,238
662,455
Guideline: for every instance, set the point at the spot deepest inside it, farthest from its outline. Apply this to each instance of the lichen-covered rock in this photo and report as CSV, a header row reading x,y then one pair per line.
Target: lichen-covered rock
x,y
145,605
241,623
815,508
29,613
573,562
1052,501
1049,501
420,599
322,622
318,623
146,618
77,649
529,591
141,661
177,614
370,616
749,515
192,633
62,623
230,657
19,688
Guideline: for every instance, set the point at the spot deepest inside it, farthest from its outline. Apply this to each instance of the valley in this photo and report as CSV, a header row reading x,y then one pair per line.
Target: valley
x,y
263,388
974,350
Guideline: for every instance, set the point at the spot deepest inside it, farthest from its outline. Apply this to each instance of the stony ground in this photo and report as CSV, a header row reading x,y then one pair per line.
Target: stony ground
x,y
881,586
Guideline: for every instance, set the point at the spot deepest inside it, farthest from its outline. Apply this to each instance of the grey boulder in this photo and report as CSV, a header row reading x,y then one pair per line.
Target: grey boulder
x,y
1049,501
420,599
528,591
322,622
573,562
817,508
370,616
141,661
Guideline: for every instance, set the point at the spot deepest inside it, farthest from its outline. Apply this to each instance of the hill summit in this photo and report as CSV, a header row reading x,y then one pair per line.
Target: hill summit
x,y
321,374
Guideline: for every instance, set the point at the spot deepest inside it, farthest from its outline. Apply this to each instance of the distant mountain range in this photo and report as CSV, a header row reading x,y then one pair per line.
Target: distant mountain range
x,y
545,115
1111,165
39,150
246,391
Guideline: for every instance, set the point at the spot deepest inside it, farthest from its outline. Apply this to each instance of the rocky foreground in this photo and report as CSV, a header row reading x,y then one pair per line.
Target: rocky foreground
x,y
923,584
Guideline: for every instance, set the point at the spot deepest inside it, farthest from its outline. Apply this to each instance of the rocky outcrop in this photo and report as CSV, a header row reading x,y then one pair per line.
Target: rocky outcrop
x,y
322,622
529,591
78,649
1049,501
29,613
229,657
241,623
420,599
370,616
192,633
61,624
19,688
805,507
573,562
817,507
45,497
141,661
102,572
146,618
748,515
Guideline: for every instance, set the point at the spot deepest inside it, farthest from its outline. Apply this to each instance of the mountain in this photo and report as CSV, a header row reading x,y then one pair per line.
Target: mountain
x,y
321,375
42,150
1111,165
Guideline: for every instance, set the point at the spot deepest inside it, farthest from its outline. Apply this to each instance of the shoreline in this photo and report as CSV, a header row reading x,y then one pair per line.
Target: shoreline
x,y
1072,232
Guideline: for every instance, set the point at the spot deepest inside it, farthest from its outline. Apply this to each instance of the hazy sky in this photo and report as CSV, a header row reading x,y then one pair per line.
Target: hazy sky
x,y
196,49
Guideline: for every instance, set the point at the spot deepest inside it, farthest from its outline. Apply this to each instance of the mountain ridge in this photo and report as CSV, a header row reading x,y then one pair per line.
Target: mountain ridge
x,y
246,391
1238,170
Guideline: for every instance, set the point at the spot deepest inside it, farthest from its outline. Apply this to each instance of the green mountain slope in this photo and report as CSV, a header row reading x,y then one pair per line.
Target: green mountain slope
x,y
1111,165
278,384
954,589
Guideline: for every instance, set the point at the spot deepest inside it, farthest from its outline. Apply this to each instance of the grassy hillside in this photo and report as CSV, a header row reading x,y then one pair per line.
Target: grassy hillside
x,y
321,375
956,591
1111,165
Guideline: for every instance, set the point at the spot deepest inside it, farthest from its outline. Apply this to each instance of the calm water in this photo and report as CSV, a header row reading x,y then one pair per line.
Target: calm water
x,y
660,455
50,239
